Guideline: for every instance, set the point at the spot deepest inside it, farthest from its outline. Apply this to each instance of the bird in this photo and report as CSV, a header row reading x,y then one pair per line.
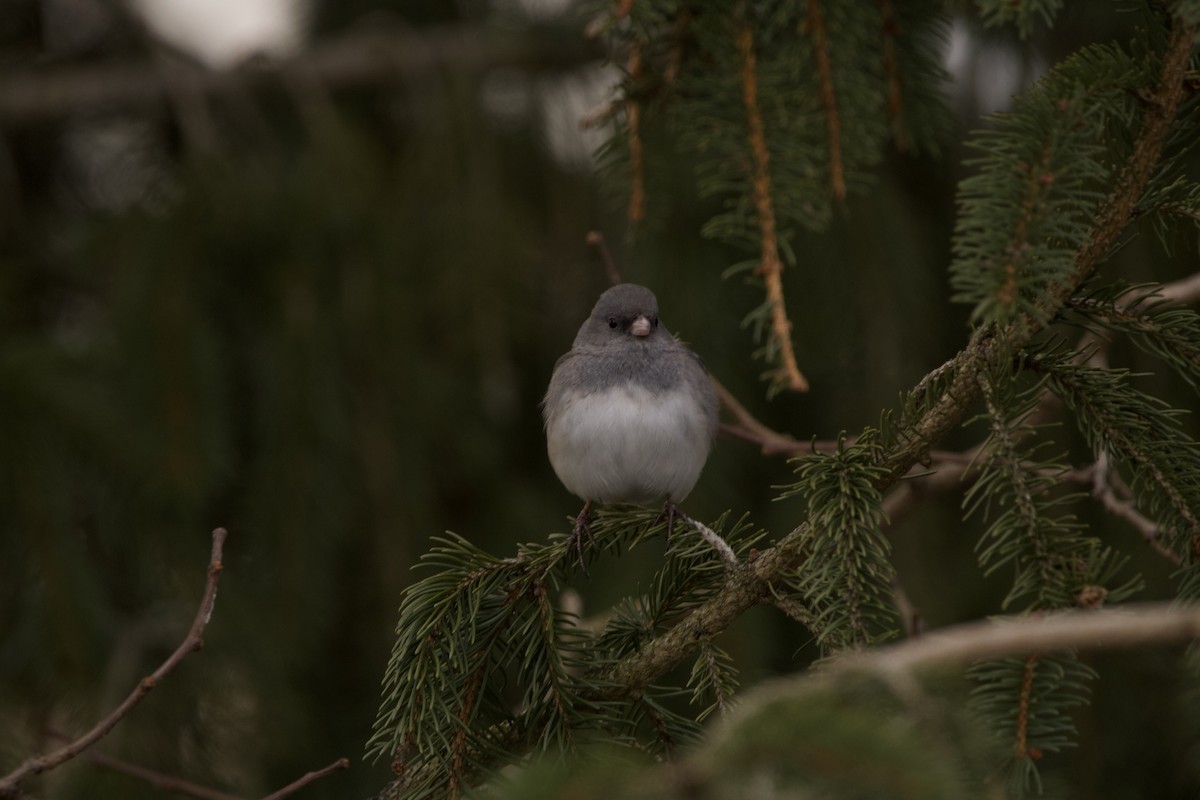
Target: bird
x,y
630,411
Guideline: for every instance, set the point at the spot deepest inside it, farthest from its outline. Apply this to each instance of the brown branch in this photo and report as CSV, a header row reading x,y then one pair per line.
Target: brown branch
x,y
192,642
1130,626
833,123
1186,290
1040,177
1024,698
309,777
364,58
1118,208
1105,494
771,265
745,426
595,240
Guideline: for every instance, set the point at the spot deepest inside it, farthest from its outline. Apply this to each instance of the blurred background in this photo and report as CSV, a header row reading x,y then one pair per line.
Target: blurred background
x,y
311,288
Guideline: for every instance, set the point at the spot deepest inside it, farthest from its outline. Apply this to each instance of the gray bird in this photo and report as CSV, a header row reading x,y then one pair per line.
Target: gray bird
x,y
630,412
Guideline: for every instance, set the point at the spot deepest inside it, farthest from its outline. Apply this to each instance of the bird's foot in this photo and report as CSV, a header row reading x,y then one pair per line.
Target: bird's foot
x,y
579,533
670,513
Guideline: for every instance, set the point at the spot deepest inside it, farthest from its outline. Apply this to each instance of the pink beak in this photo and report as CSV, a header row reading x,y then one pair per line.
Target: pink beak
x,y
640,326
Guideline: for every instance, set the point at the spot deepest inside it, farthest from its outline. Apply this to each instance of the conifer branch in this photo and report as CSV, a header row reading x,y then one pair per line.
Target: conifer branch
x,y
770,267
191,643
1040,177
661,729
1143,451
1024,698
1023,534
833,123
748,585
1105,494
638,651
1164,100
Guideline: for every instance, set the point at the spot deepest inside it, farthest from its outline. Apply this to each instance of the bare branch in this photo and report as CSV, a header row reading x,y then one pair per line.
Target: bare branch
x,y
596,240
1108,629
309,777
192,642
833,122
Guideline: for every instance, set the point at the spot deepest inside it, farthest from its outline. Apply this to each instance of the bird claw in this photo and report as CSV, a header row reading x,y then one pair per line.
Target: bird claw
x,y
579,532
670,513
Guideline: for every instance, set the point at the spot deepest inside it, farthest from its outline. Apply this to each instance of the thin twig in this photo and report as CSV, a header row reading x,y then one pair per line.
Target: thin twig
x,y
1129,626
1185,290
307,778
911,621
745,426
1106,495
595,240
192,642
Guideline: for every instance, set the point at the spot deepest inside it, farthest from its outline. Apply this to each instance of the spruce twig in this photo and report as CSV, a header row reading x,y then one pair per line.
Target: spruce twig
x,y
770,266
833,123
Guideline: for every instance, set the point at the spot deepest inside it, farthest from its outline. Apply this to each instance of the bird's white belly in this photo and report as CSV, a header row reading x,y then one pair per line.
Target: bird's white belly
x,y
629,445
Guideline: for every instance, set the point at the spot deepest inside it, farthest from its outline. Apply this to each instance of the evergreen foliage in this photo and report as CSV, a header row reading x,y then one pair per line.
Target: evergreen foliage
x,y
487,667
1141,435
1045,689
328,331
848,577
1025,215
1024,15
837,81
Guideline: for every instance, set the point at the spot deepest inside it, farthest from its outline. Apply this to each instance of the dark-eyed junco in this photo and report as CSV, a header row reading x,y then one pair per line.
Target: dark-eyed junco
x,y
630,412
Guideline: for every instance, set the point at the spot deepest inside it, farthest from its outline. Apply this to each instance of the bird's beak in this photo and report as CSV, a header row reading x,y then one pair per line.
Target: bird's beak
x,y
640,326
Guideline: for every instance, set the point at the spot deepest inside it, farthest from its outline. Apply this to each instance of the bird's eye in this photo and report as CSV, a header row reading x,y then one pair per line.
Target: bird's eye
x,y
654,322
612,322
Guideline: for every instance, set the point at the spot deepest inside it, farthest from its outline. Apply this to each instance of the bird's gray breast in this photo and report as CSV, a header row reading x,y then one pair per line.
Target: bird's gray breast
x,y
628,443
